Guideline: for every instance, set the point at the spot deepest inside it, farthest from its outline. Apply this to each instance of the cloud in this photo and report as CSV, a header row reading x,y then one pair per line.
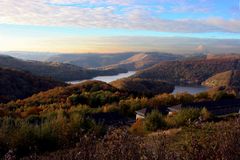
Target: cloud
x,y
110,2
190,8
121,14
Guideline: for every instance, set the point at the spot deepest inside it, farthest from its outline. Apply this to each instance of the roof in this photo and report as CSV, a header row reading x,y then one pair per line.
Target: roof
x,y
143,112
221,107
175,108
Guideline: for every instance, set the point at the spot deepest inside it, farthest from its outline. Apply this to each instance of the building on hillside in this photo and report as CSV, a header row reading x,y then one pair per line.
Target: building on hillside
x,y
222,107
141,114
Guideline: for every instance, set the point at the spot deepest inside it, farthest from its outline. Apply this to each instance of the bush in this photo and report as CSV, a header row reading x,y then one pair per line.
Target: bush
x,y
162,100
138,127
154,121
211,141
184,98
2,113
129,106
48,131
31,111
185,116
205,114
74,99
110,108
201,96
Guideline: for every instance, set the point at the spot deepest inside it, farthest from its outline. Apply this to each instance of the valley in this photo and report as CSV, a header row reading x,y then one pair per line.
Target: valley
x,y
42,115
119,80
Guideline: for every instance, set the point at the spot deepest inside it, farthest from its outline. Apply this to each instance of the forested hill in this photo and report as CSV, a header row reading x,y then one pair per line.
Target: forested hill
x,y
128,60
188,72
91,60
143,86
58,71
17,84
144,60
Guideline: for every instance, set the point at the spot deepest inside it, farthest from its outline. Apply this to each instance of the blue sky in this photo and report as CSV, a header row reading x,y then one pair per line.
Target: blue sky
x,y
78,26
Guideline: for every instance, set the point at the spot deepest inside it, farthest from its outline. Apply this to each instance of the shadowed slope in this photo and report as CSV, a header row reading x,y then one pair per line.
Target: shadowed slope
x,y
17,85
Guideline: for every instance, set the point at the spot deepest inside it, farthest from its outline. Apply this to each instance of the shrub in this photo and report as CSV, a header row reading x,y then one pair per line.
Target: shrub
x,y
34,120
162,100
205,114
211,141
81,109
154,121
138,127
186,116
129,106
31,111
74,99
184,98
2,113
110,108
201,96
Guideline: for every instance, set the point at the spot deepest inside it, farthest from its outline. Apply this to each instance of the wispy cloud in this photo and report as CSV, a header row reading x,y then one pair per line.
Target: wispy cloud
x,y
189,8
111,14
109,2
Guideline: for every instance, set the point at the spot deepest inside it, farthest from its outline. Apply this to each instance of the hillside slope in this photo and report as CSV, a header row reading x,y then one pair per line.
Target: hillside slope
x,y
145,60
188,72
223,56
92,93
227,79
59,71
128,60
90,60
143,86
17,85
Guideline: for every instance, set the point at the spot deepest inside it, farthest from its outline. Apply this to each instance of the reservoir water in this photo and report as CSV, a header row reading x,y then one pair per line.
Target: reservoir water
x,y
178,89
108,79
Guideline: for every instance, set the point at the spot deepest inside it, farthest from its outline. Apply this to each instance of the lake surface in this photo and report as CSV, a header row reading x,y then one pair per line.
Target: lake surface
x,y
178,89
108,79
190,89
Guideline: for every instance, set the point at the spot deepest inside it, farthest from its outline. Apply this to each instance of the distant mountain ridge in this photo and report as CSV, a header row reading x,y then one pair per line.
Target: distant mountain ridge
x,y
113,61
37,56
128,60
144,60
59,71
90,60
223,56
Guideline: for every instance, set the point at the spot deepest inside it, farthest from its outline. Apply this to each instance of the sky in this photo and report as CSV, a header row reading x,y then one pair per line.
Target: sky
x,y
106,26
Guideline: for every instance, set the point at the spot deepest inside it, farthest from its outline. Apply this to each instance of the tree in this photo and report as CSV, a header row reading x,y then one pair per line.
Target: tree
x,y
154,121
162,100
186,115
184,97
